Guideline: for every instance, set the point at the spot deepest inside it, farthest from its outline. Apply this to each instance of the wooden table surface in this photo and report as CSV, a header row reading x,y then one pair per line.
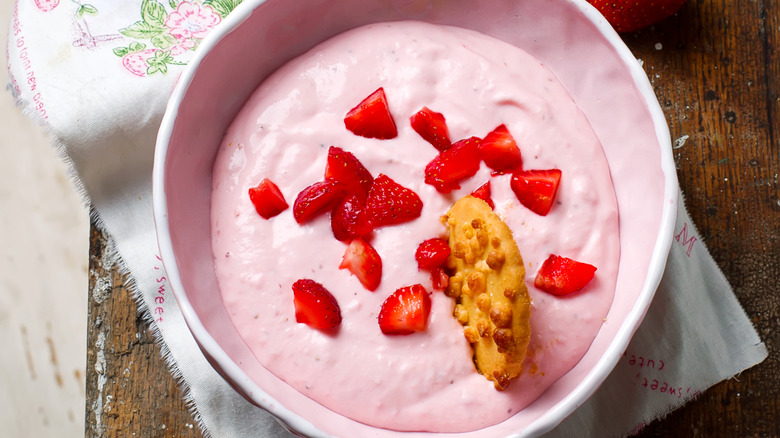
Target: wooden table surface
x,y
715,68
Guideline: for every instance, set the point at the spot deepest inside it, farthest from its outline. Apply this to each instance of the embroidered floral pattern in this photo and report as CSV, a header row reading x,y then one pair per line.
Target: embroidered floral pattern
x,y
164,35
191,21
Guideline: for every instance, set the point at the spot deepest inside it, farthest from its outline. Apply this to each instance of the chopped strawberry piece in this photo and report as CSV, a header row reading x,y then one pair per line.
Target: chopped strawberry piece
x,y
432,254
536,189
315,306
499,151
267,199
405,311
349,219
457,163
432,127
371,118
440,279
562,276
345,168
316,199
362,260
483,192
390,203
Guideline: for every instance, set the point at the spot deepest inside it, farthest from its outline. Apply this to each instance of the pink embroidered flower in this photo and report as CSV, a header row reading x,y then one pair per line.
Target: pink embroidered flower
x,y
191,20
182,47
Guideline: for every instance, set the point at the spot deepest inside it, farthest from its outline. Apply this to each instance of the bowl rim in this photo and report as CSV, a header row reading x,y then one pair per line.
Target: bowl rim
x,y
592,379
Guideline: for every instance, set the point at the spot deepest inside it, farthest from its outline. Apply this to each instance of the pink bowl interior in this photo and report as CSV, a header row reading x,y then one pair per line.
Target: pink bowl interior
x,y
260,36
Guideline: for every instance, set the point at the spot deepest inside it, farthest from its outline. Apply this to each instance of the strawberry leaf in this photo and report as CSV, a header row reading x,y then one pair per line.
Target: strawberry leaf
x,y
142,30
153,13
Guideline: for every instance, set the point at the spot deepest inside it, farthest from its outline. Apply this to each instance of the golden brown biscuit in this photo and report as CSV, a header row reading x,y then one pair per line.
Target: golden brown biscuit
x,y
487,283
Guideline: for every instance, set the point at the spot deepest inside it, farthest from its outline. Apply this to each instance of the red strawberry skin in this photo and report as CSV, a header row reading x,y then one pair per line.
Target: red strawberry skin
x,y
362,260
432,254
432,127
631,15
457,163
484,192
405,311
267,199
390,203
345,168
349,219
499,150
562,276
439,279
371,118
317,199
536,189
315,305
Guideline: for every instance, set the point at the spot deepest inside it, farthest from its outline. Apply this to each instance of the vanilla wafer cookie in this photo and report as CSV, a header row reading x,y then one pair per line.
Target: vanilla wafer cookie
x,y
487,283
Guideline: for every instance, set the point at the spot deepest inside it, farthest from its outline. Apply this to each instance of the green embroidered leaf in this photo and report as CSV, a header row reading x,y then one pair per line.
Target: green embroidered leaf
x,y
161,57
135,46
156,68
173,4
153,12
86,10
164,41
121,51
142,30
223,7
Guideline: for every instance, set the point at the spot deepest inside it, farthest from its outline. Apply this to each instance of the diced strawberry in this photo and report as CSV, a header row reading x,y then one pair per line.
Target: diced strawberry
x,y
390,203
562,276
346,168
405,311
457,163
440,279
315,306
316,199
432,127
349,219
267,199
499,151
432,254
536,189
362,260
483,192
371,118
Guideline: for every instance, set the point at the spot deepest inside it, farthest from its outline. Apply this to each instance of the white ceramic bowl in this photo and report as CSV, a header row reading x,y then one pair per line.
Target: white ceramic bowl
x,y
259,36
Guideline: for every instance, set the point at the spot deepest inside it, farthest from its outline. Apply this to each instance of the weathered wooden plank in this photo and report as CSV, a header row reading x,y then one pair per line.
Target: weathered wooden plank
x,y
716,76
130,391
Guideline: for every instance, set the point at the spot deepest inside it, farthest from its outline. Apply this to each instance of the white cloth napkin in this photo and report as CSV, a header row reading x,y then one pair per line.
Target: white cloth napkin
x,y
98,74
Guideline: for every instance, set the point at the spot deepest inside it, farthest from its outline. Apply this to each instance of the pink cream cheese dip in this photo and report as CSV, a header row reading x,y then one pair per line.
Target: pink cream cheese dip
x,y
425,381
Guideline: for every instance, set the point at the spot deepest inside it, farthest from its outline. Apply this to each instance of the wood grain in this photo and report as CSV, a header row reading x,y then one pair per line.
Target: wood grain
x,y
716,71
716,76
130,391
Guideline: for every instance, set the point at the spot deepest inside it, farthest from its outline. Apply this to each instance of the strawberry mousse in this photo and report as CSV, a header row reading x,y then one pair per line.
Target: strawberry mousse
x,y
331,256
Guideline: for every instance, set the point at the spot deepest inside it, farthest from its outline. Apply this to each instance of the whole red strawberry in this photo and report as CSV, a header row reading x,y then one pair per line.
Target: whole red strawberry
x,y
630,15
